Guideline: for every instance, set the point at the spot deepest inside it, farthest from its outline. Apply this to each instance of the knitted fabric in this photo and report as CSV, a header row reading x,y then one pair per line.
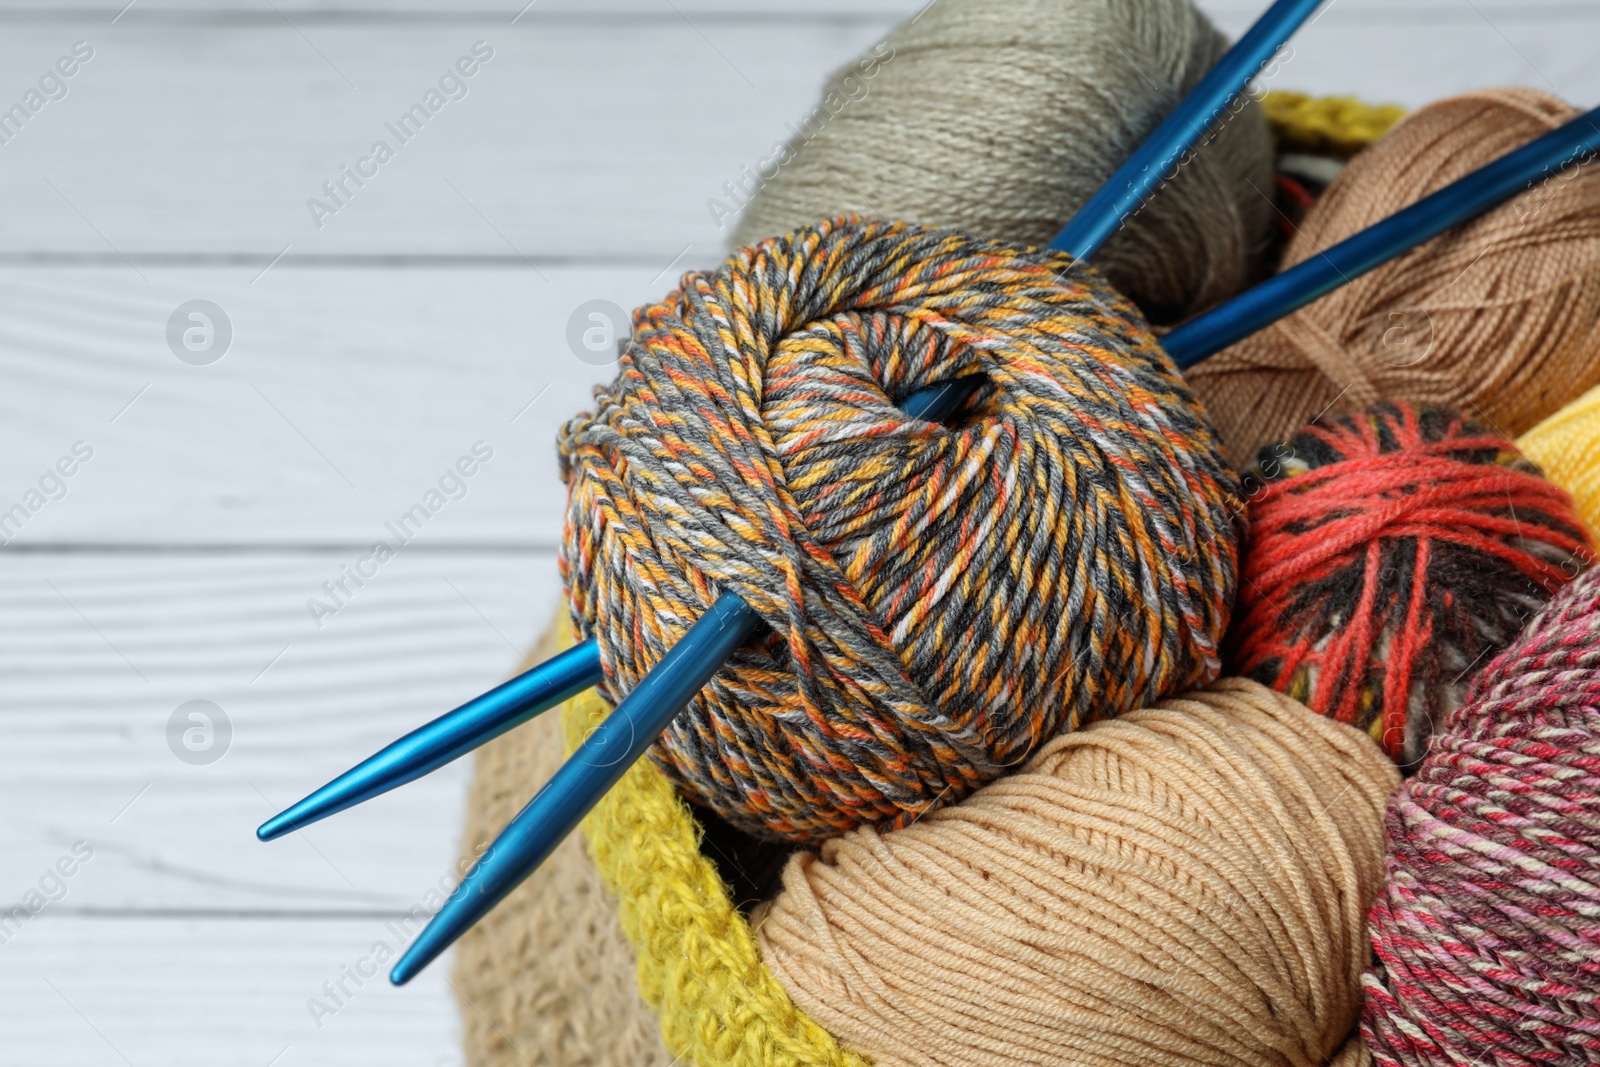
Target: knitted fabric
x,y
698,965
1499,317
1327,125
1003,117
1566,446
1390,554
942,600
1184,886
1487,934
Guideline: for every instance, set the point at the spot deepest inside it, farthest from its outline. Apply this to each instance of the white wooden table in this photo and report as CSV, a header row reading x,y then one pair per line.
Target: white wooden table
x,y
427,315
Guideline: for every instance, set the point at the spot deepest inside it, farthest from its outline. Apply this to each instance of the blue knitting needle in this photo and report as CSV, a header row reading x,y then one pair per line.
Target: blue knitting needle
x,y
1457,202
450,736
634,725
508,706
623,736
1162,152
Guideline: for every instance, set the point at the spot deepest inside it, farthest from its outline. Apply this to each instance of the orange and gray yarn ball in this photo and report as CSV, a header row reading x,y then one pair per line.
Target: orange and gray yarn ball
x,y
942,599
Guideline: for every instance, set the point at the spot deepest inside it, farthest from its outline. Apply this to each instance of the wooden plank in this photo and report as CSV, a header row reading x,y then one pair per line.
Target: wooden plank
x,y
208,138
501,10
200,992
484,11
98,652
344,398
1417,52
567,143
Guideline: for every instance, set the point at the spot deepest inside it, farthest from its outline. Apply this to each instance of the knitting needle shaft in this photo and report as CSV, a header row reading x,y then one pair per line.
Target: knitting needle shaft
x,y
1461,200
616,744
1154,161
446,738
609,750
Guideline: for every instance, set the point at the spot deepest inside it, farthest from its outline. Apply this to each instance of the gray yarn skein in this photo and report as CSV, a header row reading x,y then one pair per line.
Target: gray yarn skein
x,y
1002,118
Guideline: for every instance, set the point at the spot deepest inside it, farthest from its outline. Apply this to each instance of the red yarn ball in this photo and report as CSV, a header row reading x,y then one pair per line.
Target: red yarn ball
x,y
1390,554
1487,934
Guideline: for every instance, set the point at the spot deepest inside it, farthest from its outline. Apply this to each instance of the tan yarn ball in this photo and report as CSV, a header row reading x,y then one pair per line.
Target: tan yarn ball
x,y
1499,318
1002,117
1187,885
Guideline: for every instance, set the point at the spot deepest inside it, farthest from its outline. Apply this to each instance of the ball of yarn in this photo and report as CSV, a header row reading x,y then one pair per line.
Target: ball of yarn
x,y
942,600
1499,317
1002,118
1390,554
1186,885
1566,446
1487,934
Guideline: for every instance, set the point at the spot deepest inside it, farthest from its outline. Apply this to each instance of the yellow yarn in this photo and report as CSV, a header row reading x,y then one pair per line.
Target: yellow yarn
x,y
1566,446
1336,125
698,962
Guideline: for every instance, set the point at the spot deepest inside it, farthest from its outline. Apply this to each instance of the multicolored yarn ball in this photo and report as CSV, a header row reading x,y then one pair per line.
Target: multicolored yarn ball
x,y
1487,935
942,600
1390,554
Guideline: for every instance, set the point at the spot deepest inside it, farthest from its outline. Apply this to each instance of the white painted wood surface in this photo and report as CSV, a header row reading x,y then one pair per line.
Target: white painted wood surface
x,y
184,991
428,315
344,397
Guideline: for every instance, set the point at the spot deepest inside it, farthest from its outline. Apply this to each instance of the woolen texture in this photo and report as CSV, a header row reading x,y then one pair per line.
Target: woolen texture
x,y
1187,885
1327,125
943,600
1391,553
546,979
1002,117
1499,317
1487,934
1566,446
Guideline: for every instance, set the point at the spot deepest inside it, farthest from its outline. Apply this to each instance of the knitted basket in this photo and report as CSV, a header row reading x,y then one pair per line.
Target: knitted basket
x,y
627,944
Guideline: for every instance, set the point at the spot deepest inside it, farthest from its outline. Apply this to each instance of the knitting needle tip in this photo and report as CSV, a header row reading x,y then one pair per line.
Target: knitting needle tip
x,y
589,773
446,738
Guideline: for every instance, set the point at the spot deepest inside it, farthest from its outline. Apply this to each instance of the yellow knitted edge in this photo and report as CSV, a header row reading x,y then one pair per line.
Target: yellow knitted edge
x,y
1324,125
699,966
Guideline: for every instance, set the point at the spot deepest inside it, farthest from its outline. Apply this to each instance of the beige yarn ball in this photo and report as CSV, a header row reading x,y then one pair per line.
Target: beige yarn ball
x,y
1003,118
1187,885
